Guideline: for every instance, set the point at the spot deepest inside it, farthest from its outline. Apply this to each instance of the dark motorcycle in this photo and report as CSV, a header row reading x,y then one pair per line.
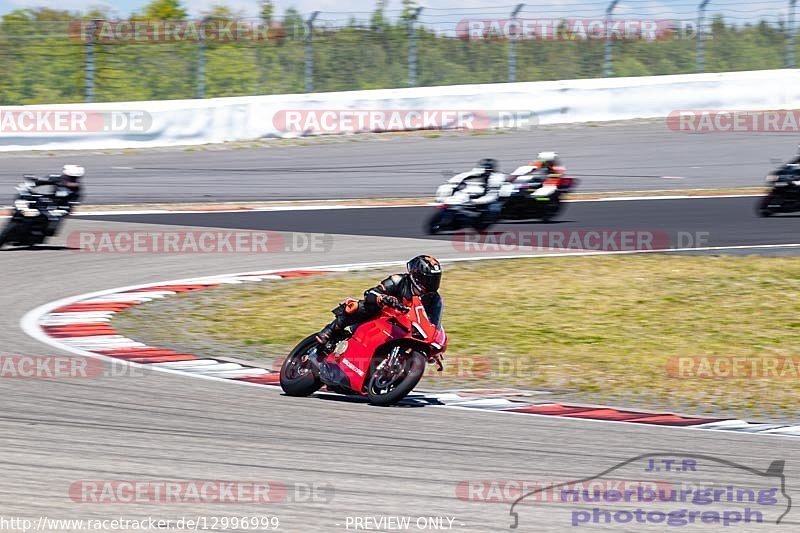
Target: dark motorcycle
x,y
456,217
784,194
530,194
37,214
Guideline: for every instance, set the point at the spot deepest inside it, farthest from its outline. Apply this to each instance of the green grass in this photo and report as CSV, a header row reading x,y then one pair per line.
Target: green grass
x,y
595,328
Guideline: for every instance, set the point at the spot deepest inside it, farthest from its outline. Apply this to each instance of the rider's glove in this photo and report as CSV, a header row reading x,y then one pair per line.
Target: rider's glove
x,y
393,302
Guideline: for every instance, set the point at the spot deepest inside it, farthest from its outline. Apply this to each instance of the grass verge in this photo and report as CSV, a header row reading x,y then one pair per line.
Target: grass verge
x,y
593,329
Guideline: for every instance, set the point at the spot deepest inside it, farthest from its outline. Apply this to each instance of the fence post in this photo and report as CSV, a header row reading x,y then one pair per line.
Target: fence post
x,y
792,35
412,48
608,69
701,29
201,61
89,66
512,45
309,70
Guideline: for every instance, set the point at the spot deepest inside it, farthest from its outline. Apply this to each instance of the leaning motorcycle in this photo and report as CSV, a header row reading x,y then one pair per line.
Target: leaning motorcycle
x,y
531,194
784,193
383,359
36,215
456,209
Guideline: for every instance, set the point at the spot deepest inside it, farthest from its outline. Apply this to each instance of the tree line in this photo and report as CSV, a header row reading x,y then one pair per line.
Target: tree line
x,y
43,61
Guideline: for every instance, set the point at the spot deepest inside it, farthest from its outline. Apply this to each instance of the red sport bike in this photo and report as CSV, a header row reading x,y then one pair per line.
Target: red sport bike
x,y
383,359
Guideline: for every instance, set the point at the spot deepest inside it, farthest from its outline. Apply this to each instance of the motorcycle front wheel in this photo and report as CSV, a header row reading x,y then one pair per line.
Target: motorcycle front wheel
x,y
5,234
394,377
299,376
438,222
765,207
552,209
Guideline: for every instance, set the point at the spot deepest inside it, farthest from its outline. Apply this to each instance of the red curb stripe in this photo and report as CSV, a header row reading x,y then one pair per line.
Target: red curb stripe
x,y
549,409
79,307
76,335
133,351
175,288
77,327
673,420
162,358
147,355
298,273
263,379
607,414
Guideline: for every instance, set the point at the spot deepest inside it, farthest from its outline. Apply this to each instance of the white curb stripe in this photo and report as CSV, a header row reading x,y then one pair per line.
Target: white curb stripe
x,y
222,370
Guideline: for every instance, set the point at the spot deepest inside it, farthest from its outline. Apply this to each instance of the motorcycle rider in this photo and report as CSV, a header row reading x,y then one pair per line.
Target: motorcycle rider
x,y
549,162
491,180
67,186
422,279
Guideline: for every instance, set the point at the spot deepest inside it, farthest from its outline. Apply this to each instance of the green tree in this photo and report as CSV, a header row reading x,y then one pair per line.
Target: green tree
x,y
165,10
267,10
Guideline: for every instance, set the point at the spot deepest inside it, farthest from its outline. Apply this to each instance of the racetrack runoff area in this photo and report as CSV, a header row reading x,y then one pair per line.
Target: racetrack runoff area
x,y
648,331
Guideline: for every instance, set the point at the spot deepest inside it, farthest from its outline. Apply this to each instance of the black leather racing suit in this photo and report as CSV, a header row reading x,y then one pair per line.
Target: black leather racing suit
x,y
67,190
398,286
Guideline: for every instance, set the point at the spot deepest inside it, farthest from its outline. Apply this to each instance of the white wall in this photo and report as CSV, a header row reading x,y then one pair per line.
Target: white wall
x,y
191,122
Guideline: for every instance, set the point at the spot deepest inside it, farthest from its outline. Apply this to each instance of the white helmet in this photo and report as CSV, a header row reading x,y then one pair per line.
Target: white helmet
x,y
547,157
73,171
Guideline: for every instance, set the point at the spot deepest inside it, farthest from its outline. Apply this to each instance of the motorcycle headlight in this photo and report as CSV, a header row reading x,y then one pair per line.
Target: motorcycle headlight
x,y
21,205
772,178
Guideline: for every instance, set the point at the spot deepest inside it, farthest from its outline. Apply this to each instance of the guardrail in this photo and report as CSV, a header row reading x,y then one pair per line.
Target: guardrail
x,y
491,106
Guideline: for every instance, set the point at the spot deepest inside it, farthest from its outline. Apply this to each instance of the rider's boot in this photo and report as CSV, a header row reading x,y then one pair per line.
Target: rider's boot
x,y
327,333
328,337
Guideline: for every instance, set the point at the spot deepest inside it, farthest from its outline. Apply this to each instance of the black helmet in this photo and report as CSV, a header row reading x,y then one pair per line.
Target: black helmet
x,y
488,164
426,273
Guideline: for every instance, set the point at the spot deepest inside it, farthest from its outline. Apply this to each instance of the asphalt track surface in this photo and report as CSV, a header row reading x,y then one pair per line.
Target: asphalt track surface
x,y
607,157
379,461
675,223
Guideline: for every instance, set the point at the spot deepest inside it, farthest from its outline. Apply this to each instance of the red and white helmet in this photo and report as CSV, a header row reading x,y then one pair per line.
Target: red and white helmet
x,y
73,171
548,157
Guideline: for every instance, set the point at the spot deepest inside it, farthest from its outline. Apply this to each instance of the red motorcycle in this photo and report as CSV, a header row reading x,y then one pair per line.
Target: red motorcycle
x,y
383,359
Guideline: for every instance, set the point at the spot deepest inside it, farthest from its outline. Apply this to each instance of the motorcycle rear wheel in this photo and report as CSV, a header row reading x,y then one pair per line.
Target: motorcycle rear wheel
x,y
483,223
387,387
299,376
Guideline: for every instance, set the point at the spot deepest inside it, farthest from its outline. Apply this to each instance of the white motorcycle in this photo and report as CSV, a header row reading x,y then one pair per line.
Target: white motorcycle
x,y
464,202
